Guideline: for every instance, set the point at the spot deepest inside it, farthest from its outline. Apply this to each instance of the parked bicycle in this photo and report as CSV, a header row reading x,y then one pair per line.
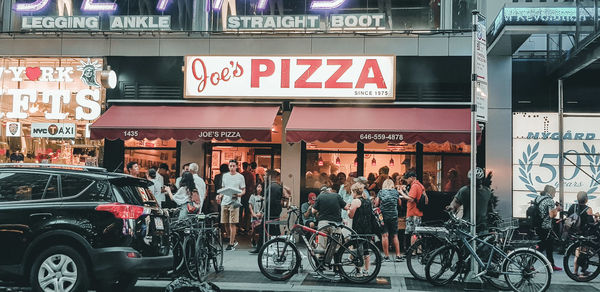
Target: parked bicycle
x,y
523,269
581,261
196,242
335,252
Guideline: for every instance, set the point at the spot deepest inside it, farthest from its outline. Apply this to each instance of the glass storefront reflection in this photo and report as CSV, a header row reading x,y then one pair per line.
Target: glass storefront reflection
x,y
223,15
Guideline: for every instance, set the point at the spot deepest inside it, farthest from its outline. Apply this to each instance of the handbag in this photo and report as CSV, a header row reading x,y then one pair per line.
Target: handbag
x,y
377,223
235,203
192,208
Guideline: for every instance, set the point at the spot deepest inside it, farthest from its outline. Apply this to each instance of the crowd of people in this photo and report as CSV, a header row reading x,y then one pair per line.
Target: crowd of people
x,y
348,200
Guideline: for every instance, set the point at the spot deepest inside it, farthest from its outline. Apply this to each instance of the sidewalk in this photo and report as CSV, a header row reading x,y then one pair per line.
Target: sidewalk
x,y
242,274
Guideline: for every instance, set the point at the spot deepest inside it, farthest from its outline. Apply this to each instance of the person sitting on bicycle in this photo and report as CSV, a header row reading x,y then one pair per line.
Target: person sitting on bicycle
x,y
328,207
308,216
484,206
587,220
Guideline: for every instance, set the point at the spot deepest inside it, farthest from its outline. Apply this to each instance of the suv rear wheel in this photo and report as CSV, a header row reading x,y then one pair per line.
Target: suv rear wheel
x,y
59,268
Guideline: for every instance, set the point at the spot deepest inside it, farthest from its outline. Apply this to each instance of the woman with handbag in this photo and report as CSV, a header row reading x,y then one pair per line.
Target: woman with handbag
x,y
187,197
361,212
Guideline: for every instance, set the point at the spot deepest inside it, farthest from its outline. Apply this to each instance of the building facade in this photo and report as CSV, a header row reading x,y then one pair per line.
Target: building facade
x,y
328,87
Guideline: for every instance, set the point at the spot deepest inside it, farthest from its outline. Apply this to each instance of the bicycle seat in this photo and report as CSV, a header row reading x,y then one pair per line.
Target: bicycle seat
x,y
336,225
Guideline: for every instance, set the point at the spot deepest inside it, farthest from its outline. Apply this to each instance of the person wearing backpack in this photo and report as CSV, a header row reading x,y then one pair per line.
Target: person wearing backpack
x,y
484,196
413,213
580,214
388,199
548,210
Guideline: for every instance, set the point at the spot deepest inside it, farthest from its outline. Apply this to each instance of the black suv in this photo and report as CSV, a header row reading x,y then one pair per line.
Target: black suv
x,y
71,228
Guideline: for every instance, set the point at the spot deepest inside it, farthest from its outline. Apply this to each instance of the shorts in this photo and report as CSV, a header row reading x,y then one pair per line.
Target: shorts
x,y
412,223
390,226
230,214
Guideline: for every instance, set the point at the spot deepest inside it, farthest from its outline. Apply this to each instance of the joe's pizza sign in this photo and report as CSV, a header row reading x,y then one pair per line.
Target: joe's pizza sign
x,y
288,77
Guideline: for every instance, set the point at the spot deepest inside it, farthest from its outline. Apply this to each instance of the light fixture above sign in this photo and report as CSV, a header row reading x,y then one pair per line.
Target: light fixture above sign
x,y
108,78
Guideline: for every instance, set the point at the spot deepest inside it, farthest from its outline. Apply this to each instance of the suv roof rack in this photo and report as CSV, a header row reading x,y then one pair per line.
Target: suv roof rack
x,y
60,166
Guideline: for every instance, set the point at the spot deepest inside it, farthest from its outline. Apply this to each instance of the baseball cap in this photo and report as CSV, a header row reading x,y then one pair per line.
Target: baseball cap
x,y
312,197
410,174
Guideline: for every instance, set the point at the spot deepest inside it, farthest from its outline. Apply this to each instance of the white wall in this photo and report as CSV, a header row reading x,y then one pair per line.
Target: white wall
x,y
192,152
290,164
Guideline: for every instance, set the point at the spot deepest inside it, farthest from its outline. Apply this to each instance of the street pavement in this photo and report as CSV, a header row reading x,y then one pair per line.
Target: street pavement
x,y
242,274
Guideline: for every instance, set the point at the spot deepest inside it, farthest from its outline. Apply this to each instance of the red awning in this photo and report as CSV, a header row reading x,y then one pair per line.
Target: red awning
x,y
186,122
352,124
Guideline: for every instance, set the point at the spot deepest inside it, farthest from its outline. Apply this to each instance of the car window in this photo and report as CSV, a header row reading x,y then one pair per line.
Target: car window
x,y
52,188
20,186
132,192
74,185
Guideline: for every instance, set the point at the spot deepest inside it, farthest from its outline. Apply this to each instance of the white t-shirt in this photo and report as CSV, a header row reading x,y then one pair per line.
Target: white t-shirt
x,y
232,181
156,190
182,196
201,187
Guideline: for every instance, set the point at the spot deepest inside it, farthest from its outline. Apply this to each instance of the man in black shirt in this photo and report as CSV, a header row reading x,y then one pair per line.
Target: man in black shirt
x,y
274,194
328,208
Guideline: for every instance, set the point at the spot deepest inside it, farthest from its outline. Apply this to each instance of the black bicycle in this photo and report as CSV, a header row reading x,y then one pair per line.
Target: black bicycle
x,y
581,261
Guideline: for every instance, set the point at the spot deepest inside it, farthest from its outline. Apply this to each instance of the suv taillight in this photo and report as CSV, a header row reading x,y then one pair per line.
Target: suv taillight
x,y
124,211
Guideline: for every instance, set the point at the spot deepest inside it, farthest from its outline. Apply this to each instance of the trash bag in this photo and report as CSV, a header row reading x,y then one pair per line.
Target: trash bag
x,y
184,284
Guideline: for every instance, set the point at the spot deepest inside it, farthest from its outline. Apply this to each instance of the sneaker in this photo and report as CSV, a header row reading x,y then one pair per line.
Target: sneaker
x,y
556,269
253,243
230,247
399,259
254,251
235,244
386,259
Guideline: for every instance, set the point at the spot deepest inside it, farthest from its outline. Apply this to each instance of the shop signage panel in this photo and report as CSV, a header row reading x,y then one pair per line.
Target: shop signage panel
x,y
53,130
54,23
81,86
274,22
13,129
536,157
290,77
140,22
357,21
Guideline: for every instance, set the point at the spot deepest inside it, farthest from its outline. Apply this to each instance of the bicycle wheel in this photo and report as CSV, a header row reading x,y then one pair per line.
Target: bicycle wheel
x,y
177,248
443,265
527,270
324,254
202,259
189,254
494,275
216,246
278,259
587,258
417,255
358,261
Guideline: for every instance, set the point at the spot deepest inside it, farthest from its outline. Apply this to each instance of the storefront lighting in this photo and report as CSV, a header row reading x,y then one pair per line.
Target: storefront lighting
x,y
373,162
338,161
320,161
108,78
356,161
392,162
326,4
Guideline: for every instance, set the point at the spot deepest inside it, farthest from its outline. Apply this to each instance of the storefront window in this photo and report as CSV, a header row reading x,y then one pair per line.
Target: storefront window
x,y
152,153
446,173
266,157
231,15
329,168
46,108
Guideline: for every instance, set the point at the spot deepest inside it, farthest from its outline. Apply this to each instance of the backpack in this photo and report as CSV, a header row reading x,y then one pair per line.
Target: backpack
x,y
422,202
573,222
377,222
533,212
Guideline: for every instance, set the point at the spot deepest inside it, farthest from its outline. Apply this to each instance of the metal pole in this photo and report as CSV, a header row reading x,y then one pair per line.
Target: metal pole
x,y
267,206
561,149
473,185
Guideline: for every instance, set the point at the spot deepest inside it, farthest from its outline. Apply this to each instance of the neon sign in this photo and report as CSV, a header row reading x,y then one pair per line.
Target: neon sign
x,y
94,6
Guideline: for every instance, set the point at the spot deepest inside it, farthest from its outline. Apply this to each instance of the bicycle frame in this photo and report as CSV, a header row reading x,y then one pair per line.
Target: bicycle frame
x,y
467,239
